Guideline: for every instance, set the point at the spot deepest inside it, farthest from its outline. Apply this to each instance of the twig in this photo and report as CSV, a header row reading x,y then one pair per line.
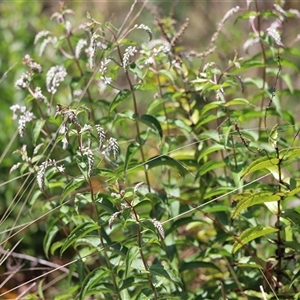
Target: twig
x,y
38,261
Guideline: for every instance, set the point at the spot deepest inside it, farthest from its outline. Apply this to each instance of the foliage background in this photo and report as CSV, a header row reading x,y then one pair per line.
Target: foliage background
x,y
20,22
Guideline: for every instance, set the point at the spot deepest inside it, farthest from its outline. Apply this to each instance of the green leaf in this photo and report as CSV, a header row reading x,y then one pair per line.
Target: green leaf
x,y
165,160
152,122
78,232
38,126
131,255
55,246
237,101
68,293
260,164
211,106
92,280
273,137
289,153
120,97
246,15
52,230
266,163
73,185
167,74
214,192
180,124
155,105
143,208
163,271
210,134
292,215
132,149
208,150
92,241
136,70
206,119
251,234
41,289
258,82
144,87
249,199
287,79
293,245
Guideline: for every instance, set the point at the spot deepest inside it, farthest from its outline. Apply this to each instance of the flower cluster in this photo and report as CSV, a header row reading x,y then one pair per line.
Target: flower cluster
x,y
103,69
116,214
159,227
80,45
23,116
42,171
250,42
38,95
112,147
33,66
101,135
54,77
93,47
47,40
155,48
86,151
146,28
274,33
129,52
68,114
24,81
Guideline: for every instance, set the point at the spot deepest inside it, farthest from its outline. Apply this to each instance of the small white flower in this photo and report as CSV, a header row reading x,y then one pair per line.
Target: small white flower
x,y
230,13
54,77
106,80
14,167
48,40
61,168
80,45
129,52
39,95
149,61
86,127
39,35
24,117
146,28
24,81
65,143
137,186
273,31
249,43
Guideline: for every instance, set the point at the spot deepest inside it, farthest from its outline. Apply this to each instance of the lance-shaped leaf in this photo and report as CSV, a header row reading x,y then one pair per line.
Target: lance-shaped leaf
x,y
165,160
249,199
273,137
292,215
72,186
266,163
37,130
132,149
78,232
120,97
93,281
251,234
164,271
260,164
153,123
289,153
